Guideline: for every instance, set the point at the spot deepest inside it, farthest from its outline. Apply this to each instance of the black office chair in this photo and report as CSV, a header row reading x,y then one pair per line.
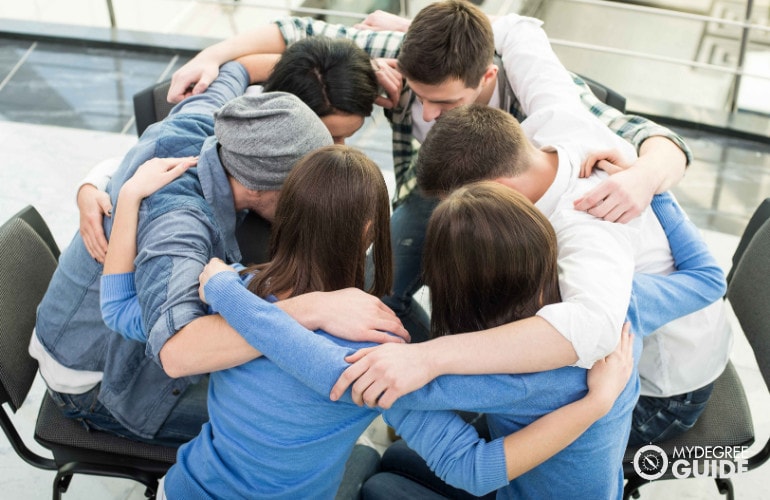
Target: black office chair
x,y
760,215
726,421
27,263
32,217
150,105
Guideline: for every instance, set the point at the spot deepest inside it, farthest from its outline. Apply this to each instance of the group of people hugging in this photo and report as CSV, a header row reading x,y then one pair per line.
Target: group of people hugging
x,y
574,309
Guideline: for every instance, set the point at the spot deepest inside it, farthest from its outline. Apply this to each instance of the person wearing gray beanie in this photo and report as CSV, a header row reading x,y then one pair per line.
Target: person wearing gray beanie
x,y
243,157
261,136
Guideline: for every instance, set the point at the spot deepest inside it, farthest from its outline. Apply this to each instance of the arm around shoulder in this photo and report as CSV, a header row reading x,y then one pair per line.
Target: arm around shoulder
x,y
196,75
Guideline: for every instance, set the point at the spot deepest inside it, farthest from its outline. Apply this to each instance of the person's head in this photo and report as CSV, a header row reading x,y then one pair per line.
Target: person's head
x,y
333,206
469,144
260,138
334,77
489,259
446,56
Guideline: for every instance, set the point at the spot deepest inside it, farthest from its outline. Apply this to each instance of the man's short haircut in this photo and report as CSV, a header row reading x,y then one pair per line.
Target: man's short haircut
x,y
468,144
329,75
447,40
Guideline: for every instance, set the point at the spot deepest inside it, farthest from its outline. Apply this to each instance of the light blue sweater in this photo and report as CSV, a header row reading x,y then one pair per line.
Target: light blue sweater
x,y
274,433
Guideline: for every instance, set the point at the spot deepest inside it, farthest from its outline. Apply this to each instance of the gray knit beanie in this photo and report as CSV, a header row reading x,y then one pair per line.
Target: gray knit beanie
x,y
262,136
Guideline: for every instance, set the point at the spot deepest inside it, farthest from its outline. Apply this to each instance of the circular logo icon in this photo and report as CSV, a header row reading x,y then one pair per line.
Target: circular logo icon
x,y
650,462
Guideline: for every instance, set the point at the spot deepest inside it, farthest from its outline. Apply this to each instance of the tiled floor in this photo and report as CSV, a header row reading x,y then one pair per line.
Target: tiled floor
x,y
63,108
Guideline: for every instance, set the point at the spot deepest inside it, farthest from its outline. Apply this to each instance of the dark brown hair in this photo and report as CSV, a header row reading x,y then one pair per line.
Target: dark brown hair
x,y
319,237
449,39
490,259
330,75
468,144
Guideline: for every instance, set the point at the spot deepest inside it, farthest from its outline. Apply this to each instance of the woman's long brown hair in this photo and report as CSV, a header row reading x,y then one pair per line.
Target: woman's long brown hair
x,y
333,206
490,259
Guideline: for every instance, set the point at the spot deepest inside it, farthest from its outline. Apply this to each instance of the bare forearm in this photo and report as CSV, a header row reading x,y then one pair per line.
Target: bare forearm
x,y
548,435
525,346
205,345
663,161
303,309
265,40
259,66
122,249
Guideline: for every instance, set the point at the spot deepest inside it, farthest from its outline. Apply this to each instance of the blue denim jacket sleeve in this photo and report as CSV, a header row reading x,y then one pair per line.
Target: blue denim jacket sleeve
x,y
173,249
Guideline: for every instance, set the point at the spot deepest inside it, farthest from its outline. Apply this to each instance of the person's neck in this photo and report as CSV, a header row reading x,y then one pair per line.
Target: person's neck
x,y
535,181
486,92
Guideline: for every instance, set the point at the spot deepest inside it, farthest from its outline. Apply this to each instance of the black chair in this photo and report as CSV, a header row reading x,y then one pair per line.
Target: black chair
x,y
760,215
605,94
32,217
726,421
150,105
27,263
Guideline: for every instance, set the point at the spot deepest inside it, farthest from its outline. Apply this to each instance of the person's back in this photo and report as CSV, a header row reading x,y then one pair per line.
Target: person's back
x,y
294,441
511,274
685,355
278,423
601,447
268,436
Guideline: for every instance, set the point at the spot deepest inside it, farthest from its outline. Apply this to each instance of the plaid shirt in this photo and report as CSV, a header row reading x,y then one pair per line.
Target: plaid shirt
x,y
635,129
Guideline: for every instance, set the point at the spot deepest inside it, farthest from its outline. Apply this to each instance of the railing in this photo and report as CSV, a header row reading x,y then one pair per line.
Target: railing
x,y
738,72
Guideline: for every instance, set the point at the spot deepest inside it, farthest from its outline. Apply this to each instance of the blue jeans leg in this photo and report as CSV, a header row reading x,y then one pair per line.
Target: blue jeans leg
x,y
658,419
407,228
183,423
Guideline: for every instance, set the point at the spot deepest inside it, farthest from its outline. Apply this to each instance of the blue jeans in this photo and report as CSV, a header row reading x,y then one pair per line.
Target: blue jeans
x,y
183,423
407,231
406,476
658,419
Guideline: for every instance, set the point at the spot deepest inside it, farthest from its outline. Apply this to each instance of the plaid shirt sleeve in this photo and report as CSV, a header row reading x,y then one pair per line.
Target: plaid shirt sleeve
x,y
375,43
633,128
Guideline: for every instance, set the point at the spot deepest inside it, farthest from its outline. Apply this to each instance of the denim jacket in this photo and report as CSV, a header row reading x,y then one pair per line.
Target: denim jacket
x,y
181,227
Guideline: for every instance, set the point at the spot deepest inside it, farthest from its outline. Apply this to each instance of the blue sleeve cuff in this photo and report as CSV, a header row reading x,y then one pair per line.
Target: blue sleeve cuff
x,y
117,286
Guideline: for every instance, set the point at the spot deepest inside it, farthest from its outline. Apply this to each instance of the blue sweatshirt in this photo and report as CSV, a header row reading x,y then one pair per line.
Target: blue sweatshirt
x,y
261,443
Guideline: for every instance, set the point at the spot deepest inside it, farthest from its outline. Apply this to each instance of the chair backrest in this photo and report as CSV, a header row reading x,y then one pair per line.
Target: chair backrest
x,y
606,94
760,215
26,267
31,216
749,295
150,105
